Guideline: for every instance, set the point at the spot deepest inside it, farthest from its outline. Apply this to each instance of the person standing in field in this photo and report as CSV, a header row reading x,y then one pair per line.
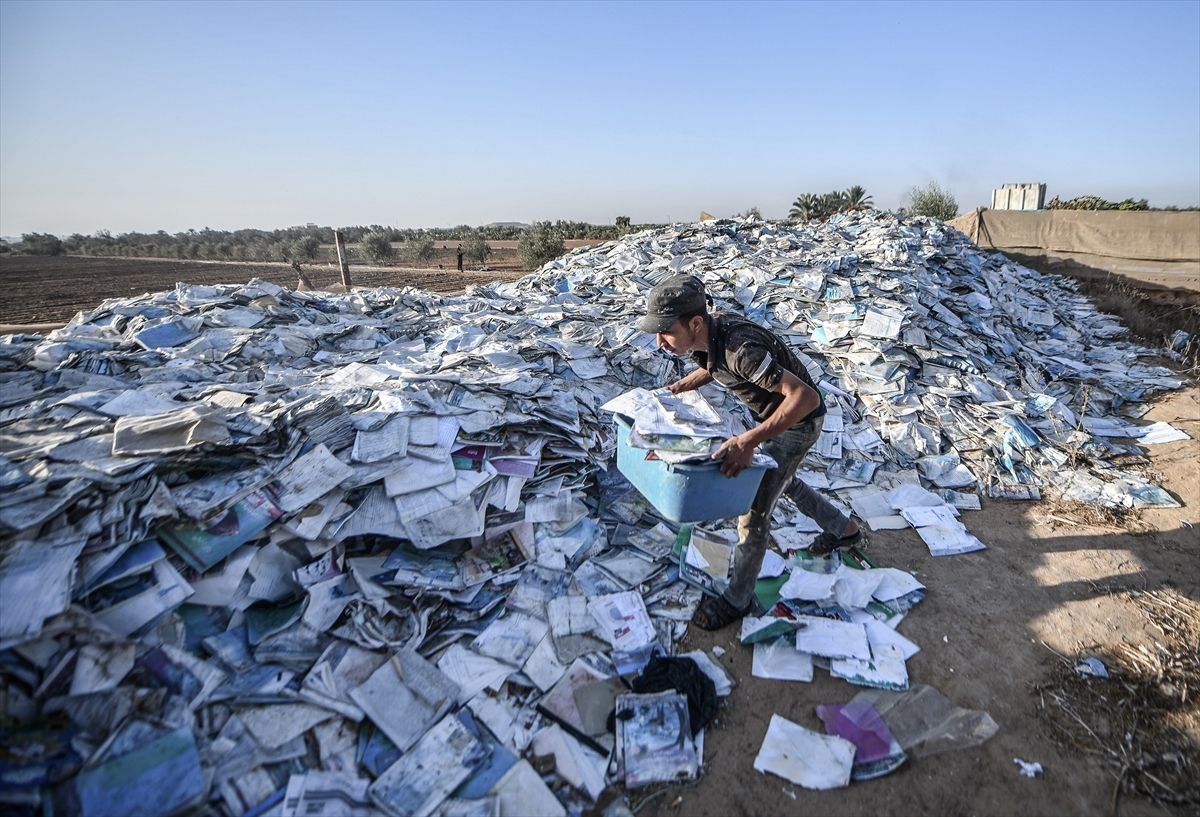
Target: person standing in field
x,y
764,373
459,251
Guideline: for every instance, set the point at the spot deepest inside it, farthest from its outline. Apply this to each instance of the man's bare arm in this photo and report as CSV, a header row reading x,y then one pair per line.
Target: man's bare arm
x,y
799,400
692,381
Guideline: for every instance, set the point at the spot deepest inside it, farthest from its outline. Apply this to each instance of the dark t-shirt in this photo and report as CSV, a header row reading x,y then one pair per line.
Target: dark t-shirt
x,y
749,361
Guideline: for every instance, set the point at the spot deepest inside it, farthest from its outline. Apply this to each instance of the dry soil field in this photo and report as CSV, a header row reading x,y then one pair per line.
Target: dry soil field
x,y
51,290
36,290
1054,581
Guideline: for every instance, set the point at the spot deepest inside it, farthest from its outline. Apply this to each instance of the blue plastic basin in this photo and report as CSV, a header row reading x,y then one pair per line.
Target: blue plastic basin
x,y
686,492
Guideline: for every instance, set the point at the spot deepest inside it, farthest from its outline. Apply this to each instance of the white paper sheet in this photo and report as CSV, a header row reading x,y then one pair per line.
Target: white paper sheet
x,y
100,667
522,791
792,538
772,565
325,794
949,540
893,522
885,668
326,601
1159,433
894,583
139,403
511,638
622,619
388,441
35,584
580,766
310,522
175,430
543,667
168,591
831,639
881,323
907,495
375,514
413,475
854,588
405,696
473,672
805,757
417,783
445,431
802,584
311,476
880,635
272,569
780,660
919,517
461,520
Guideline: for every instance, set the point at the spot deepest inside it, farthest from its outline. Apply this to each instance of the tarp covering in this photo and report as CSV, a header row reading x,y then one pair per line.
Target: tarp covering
x,y
1133,235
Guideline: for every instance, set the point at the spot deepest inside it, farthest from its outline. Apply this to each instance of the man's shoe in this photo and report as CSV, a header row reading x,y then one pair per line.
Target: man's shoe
x,y
827,543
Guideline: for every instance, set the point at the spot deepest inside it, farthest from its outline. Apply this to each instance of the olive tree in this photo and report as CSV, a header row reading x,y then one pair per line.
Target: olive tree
x,y
41,244
376,247
306,248
932,200
540,243
420,250
474,248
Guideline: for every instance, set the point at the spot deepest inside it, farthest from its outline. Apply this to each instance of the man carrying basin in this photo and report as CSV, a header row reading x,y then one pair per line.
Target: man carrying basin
x,y
764,373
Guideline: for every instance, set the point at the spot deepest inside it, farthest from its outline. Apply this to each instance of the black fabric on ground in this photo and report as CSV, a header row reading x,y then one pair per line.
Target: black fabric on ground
x,y
665,673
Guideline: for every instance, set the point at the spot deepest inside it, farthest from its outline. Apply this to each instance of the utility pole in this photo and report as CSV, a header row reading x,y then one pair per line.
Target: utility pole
x,y
339,241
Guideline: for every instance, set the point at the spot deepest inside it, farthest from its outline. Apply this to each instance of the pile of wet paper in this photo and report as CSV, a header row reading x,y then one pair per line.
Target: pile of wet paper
x,y
291,548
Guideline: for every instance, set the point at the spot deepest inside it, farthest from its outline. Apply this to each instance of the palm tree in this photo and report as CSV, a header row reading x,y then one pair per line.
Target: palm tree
x,y
856,198
830,203
805,207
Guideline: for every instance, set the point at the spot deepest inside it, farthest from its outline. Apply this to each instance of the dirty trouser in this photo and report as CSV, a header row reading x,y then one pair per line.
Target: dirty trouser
x,y
754,527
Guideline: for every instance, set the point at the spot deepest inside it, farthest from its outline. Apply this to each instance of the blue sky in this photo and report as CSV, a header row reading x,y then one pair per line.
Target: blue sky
x,y
141,116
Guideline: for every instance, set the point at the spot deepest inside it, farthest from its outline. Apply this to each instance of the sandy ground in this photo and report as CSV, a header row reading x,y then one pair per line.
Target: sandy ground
x,y
1159,274
981,630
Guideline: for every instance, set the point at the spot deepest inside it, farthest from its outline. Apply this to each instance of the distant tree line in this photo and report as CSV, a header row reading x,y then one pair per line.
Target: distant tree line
x,y
308,243
537,243
299,243
930,200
